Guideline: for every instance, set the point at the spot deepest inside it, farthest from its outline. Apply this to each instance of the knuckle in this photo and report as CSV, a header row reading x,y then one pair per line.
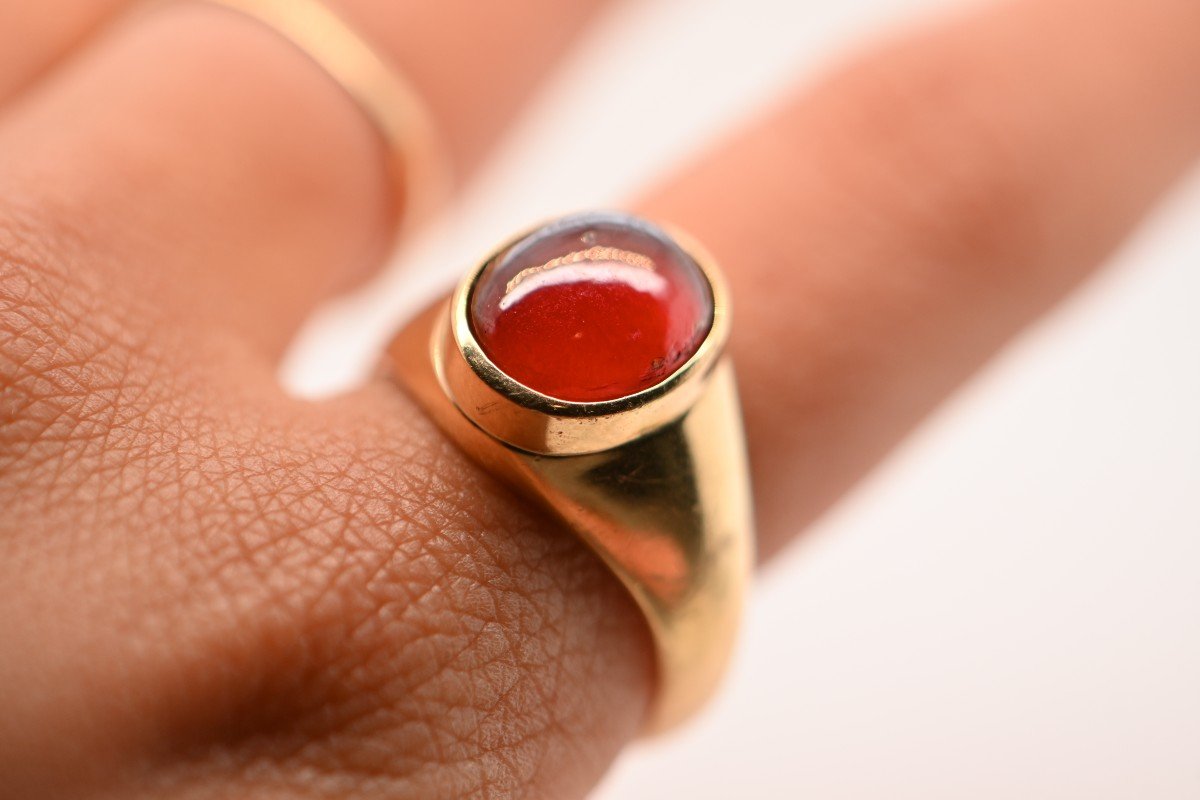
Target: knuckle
x,y
421,628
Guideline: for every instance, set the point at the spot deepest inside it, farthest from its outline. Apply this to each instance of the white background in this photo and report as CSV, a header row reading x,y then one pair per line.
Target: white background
x,y
1010,606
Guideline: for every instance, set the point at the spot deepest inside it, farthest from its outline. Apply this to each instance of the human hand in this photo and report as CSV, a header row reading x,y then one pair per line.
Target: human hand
x,y
211,589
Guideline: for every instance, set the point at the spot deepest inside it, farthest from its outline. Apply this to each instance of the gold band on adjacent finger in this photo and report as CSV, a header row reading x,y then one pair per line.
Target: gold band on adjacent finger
x,y
419,166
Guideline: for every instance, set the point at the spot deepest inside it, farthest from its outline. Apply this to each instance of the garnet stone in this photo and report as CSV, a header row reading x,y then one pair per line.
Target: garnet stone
x,y
591,307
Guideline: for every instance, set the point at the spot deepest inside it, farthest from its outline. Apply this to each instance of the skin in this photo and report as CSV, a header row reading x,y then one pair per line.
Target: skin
x,y
210,589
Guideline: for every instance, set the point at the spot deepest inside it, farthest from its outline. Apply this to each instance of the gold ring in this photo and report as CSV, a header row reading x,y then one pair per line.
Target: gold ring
x,y
419,167
583,363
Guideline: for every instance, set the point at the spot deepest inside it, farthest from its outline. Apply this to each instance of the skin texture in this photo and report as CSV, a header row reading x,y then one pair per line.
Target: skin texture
x,y
212,590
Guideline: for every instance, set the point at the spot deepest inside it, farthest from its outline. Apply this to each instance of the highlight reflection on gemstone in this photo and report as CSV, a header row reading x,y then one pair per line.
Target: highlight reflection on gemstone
x,y
592,307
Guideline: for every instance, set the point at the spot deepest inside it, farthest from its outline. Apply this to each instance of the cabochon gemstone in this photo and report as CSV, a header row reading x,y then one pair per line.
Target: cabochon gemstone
x,y
591,307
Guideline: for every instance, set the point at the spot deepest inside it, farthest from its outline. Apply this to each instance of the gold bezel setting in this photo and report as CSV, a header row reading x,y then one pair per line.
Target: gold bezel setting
x,y
525,418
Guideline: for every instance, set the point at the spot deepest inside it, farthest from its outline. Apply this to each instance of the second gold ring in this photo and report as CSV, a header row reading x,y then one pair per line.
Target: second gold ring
x,y
419,166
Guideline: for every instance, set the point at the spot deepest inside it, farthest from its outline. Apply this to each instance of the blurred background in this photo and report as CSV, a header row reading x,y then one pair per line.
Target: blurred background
x,y
1010,606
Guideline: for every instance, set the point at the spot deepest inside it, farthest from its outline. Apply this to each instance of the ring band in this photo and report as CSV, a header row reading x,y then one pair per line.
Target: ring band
x,y
418,166
640,451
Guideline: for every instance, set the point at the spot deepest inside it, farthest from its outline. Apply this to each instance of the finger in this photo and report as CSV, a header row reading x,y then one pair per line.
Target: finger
x,y
234,184
913,212
304,602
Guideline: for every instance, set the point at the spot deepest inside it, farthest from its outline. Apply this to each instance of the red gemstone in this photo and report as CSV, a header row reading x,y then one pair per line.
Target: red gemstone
x,y
592,307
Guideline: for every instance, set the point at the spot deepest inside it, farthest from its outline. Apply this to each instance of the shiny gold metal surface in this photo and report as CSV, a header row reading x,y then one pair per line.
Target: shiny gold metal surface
x,y
656,483
420,169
